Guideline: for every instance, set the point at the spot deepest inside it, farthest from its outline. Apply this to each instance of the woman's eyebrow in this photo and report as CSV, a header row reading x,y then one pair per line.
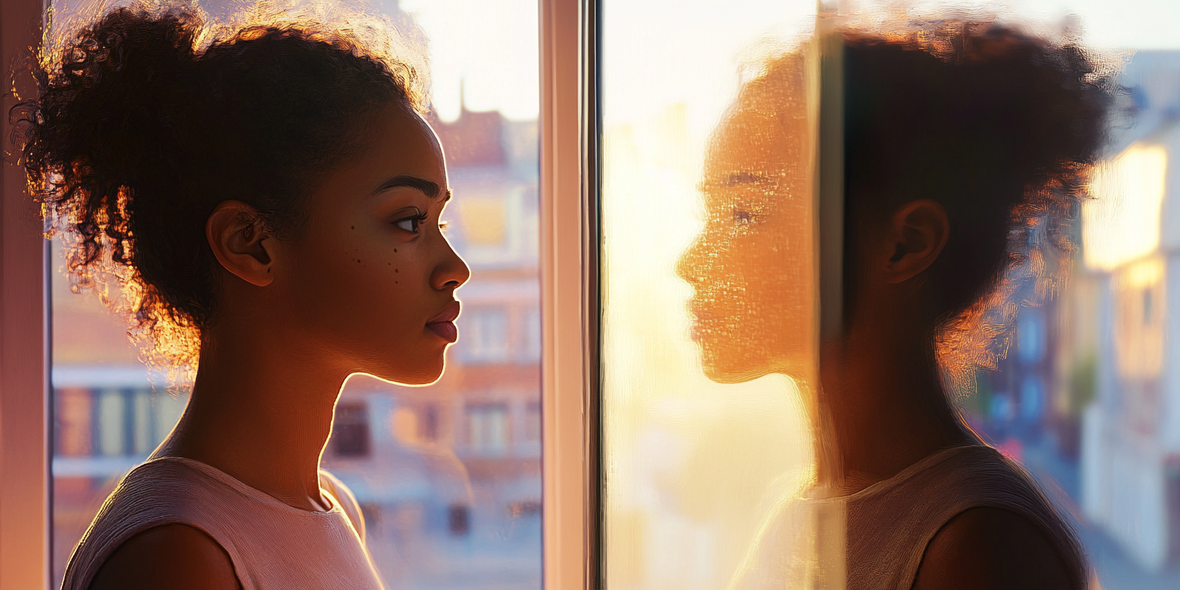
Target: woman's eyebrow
x,y
427,187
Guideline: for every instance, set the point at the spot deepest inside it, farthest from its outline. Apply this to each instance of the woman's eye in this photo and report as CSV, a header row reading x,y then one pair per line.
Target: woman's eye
x,y
411,224
443,225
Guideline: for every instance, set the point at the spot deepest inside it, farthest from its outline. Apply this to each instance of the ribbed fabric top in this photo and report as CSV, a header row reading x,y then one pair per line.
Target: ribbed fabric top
x,y
272,545
889,524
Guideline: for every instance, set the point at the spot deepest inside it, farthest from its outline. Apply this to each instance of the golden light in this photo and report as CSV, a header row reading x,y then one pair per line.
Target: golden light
x,y
1122,223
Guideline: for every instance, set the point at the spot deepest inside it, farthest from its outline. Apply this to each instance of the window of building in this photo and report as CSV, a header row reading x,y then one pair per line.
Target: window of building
x,y
487,428
486,338
350,430
458,519
74,422
112,422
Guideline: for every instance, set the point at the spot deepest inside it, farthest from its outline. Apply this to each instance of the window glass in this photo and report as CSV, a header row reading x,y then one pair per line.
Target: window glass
x,y
1082,395
693,464
448,476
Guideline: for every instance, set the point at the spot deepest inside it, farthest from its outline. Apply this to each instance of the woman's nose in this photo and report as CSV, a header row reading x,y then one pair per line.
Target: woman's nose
x,y
688,266
451,273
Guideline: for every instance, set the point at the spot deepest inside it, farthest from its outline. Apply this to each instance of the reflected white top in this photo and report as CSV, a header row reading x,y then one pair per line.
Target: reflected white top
x,y
271,544
889,524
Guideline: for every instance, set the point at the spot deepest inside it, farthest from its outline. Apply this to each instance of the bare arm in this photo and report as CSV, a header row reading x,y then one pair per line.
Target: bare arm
x,y
991,549
173,556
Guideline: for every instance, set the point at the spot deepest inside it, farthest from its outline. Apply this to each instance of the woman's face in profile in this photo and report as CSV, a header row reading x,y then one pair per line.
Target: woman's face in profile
x,y
372,277
751,267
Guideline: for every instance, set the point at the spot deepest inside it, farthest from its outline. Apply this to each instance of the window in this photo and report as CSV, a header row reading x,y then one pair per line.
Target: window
x,y
487,335
1105,420
350,431
1082,398
487,428
403,451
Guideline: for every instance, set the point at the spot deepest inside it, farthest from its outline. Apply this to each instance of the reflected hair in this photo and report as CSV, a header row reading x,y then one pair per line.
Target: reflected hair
x,y
142,125
998,126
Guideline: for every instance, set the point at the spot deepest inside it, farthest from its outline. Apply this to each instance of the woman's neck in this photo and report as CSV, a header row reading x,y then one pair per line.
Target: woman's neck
x,y
881,410
262,413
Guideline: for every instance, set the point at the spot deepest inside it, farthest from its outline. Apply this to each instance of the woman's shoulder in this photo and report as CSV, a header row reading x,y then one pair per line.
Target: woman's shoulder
x,y
168,556
969,494
988,548
163,503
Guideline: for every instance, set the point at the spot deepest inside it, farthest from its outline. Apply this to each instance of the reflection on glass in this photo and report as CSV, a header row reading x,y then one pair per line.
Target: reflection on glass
x,y
694,467
449,502
751,267
702,435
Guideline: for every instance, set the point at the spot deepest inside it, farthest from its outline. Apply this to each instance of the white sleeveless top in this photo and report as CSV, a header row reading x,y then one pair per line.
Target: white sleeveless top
x,y
888,525
271,544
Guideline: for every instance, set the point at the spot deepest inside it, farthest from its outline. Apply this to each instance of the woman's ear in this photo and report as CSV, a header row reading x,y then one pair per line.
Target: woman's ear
x,y
238,242
917,234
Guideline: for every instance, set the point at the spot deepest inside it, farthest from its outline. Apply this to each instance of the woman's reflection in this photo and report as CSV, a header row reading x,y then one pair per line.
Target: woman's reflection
x,y
751,267
957,137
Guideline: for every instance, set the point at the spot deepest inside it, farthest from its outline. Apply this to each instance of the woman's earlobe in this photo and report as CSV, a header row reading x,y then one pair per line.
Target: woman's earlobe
x,y
918,232
240,243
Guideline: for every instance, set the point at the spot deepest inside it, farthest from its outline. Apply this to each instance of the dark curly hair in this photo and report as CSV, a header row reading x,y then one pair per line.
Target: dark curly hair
x,y
137,134
1001,128
998,126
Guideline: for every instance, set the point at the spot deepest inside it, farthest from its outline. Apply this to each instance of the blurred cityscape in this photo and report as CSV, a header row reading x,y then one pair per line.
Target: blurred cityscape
x,y
1088,398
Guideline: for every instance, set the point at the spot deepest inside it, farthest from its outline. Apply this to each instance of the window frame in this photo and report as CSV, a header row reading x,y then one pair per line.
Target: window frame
x,y
569,187
569,313
25,493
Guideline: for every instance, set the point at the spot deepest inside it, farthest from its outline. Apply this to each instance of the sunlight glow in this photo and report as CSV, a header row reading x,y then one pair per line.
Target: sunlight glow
x,y
1122,223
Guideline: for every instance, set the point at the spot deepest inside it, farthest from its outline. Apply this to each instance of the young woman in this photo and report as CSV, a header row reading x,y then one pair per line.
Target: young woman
x,y
270,205
959,138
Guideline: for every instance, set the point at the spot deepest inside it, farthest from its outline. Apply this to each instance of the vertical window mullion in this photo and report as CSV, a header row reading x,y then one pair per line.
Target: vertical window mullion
x,y
568,273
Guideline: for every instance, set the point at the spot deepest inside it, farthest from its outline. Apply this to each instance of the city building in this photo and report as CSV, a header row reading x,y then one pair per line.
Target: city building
x,y
1130,464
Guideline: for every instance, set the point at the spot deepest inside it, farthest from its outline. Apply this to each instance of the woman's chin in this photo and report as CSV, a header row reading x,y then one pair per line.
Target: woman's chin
x,y
720,368
425,373
733,375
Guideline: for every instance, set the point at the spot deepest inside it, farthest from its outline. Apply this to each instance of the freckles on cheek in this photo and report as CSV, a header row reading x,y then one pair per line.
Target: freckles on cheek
x,y
395,271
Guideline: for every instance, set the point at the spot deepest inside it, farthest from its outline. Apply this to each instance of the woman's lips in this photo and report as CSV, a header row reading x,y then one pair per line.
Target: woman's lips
x,y
697,316
443,324
446,330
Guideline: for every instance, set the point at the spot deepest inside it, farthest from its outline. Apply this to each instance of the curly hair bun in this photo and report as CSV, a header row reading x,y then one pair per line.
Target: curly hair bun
x,y
138,134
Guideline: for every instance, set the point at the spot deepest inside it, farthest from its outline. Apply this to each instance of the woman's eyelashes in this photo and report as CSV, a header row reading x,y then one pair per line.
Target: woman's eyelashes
x,y
411,223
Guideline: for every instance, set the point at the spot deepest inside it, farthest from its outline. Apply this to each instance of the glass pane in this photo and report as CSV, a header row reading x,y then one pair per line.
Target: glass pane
x,y
708,448
447,476
708,247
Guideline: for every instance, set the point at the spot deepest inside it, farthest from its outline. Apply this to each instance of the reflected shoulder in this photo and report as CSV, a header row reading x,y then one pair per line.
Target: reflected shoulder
x,y
991,549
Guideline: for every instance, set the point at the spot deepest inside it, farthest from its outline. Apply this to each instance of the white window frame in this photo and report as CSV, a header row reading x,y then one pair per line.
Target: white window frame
x,y
568,154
